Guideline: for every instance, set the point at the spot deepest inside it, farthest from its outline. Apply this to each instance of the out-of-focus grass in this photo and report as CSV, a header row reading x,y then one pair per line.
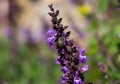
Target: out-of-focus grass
x,y
27,66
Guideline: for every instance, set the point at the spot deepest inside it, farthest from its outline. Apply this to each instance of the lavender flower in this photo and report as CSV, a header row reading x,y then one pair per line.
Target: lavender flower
x,y
77,79
82,52
51,32
58,60
82,59
51,40
64,79
64,69
84,68
69,57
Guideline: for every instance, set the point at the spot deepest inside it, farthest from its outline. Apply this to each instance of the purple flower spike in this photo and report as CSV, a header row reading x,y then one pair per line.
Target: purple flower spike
x,y
64,69
51,40
64,79
83,59
69,57
51,32
84,68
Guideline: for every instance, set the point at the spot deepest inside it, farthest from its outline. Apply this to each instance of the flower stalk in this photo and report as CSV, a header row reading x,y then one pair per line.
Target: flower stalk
x,y
70,58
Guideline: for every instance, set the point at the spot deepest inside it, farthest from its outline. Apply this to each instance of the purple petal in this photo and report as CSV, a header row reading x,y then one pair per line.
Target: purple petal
x,y
51,32
51,40
64,69
83,59
64,78
58,60
76,74
82,51
85,68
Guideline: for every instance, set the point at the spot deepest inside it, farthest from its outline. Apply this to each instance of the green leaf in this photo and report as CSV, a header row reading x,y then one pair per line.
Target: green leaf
x,y
103,5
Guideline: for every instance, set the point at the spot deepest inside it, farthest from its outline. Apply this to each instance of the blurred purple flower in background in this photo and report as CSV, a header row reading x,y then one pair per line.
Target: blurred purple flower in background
x,y
25,31
76,2
31,37
75,27
8,32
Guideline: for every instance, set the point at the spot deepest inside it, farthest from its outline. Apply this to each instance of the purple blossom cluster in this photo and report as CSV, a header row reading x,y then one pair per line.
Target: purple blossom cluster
x,y
70,58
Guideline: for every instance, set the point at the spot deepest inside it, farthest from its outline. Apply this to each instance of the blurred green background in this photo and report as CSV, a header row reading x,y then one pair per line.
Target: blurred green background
x,y
26,58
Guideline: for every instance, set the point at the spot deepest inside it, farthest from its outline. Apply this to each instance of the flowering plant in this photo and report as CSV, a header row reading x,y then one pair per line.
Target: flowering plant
x,y
72,61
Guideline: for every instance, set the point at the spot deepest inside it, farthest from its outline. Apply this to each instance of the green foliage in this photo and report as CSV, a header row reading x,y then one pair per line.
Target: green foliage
x,y
27,66
103,4
105,47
